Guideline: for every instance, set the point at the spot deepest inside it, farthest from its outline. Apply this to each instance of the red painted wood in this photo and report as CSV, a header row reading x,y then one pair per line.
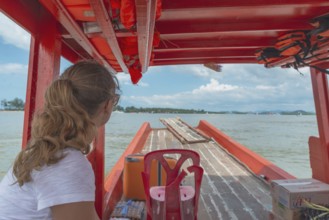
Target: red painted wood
x,y
183,24
200,26
256,163
96,158
203,60
316,156
79,12
236,14
113,182
204,53
214,42
220,59
105,23
29,107
28,20
169,4
321,100
58,10
44,64
75,2
70,54
145,16
24,13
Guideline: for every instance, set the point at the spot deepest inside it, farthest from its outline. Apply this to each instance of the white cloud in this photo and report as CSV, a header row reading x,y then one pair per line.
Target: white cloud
x,y
125,80
242,88
206,96
264,87
143,84
201,71
195,70
13,34
10,68
214,86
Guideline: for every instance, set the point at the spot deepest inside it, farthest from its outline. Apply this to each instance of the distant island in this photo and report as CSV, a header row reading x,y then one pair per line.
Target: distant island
x,y
18,105
12,105
133,109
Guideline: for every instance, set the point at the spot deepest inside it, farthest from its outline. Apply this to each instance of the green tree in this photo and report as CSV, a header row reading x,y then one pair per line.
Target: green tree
x,y
131,109
4,103
16,104
119,108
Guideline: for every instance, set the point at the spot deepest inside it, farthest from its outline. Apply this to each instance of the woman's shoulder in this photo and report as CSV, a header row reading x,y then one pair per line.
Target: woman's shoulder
x,y
69,180
70,153
73,163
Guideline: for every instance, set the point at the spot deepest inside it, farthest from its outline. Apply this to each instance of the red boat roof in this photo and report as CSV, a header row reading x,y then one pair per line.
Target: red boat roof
x,y
131,35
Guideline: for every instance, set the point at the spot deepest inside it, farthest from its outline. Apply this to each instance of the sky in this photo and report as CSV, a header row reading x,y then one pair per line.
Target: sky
x,y
248,87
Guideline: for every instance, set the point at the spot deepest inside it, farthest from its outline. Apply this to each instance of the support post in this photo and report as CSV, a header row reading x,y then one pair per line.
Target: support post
x,y
44,61
319,148
96,158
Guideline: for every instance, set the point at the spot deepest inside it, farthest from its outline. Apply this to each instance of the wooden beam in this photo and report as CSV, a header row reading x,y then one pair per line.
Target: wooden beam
x,y
97,160
105,24
44,61
214,42
58,10
183,4
145,16
205,53
201,49
23,13
69,54
26,14
321,101
204,60
213,25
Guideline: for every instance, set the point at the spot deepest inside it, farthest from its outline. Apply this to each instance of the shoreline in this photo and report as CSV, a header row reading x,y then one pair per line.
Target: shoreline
x,y
295,113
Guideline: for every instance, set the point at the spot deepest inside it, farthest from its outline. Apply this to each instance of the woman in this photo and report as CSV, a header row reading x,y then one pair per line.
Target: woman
x,y
51,178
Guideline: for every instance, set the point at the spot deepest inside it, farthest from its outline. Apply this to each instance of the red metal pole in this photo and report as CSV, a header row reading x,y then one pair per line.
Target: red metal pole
x,y
319,150
96,158
44,64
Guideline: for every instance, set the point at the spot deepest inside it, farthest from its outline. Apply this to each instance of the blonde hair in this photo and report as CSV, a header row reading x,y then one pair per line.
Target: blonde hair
x,y
66,119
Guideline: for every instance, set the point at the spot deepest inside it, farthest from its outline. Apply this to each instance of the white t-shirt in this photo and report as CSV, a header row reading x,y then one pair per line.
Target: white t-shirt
x,y
70,180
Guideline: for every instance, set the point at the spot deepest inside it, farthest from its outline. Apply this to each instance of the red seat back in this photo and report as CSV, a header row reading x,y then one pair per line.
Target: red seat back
x,y
174,178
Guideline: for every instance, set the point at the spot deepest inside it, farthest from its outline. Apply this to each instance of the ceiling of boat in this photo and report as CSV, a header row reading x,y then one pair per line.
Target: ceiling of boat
x,y
131,35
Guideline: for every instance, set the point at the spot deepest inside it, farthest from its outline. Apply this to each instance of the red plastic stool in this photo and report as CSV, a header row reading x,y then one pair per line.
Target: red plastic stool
x,y
173,201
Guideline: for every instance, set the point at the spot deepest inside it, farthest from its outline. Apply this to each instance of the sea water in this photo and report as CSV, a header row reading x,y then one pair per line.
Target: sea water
x,y
282,139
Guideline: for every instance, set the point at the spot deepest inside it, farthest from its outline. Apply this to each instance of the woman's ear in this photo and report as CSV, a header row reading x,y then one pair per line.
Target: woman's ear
x,y
103,114
108,106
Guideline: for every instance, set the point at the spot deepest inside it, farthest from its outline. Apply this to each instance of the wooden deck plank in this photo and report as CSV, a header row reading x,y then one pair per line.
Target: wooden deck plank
x,y
229,190
183,132
226,190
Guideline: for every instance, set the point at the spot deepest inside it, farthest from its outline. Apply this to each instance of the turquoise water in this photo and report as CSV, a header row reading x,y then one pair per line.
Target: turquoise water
x,y
281,139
